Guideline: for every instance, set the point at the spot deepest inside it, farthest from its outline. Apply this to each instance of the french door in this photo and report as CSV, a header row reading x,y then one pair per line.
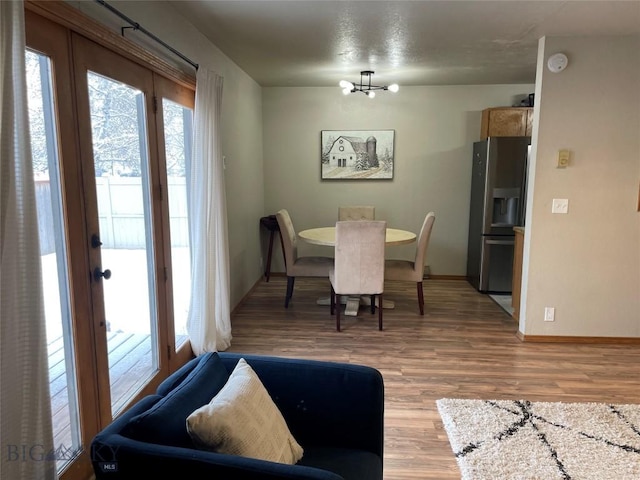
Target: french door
x,y
123,216
112,146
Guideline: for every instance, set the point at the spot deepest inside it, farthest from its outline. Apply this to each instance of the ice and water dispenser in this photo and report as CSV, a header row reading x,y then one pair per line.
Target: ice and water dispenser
x,y
505,206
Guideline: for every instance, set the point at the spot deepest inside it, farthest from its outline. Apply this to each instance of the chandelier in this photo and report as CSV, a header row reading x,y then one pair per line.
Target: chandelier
x,y
366,88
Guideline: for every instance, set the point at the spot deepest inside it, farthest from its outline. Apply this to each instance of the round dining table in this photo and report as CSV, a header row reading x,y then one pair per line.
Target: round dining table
x,y
327,236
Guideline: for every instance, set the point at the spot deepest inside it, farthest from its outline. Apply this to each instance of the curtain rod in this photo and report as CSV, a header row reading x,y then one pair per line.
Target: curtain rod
x,y
137,26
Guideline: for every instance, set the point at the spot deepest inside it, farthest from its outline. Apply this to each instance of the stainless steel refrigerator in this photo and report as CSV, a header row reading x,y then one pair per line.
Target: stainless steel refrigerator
x,y
498,195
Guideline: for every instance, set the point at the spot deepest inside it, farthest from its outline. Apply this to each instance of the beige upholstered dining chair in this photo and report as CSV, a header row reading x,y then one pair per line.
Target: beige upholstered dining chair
x,y
413,271
359,264
296,266
364,212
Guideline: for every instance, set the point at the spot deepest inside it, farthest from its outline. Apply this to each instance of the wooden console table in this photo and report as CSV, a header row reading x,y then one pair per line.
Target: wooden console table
x,y
271,224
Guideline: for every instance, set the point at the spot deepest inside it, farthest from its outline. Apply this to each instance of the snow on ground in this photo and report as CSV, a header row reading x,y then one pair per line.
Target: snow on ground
x,y
126,292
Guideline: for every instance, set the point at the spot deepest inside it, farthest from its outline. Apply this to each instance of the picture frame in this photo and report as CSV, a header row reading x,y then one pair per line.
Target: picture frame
x,y
357,154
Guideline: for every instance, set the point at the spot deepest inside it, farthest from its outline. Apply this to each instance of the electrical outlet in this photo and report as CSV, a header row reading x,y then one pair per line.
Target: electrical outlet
x,y
549,314
560,205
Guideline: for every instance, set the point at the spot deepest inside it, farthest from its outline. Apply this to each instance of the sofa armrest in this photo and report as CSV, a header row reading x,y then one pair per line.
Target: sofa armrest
x,y
324,403
116,457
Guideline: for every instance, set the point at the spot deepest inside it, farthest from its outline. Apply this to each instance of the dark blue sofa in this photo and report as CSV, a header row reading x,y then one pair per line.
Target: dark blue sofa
x,y
334,410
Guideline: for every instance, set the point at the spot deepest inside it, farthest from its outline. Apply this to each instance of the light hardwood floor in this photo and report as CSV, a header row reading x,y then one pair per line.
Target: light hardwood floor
x,y
464,347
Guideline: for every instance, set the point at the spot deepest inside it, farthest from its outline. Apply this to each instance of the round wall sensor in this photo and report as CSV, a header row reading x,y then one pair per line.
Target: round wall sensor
x,y
557,62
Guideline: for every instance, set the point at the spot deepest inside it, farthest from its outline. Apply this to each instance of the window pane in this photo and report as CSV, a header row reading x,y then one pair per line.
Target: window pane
x,y
120,156
178,138
53,255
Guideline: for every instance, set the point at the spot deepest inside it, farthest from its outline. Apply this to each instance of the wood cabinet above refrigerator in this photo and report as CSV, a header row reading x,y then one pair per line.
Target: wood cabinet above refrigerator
x,y
506,122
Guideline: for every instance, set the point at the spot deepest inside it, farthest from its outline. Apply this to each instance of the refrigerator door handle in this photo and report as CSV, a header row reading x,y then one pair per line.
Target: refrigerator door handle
x,y
523,190
500,242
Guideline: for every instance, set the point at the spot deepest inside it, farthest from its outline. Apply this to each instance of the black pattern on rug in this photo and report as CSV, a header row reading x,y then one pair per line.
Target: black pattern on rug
x,y
521,421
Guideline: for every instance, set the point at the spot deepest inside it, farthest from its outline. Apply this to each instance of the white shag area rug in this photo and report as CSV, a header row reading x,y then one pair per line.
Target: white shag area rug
x,y
522,440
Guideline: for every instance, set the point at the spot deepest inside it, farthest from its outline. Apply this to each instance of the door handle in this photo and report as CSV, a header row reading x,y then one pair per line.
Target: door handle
x,y
98,274
500,242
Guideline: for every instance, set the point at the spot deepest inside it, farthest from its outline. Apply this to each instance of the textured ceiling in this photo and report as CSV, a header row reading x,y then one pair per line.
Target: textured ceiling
x,y
420,42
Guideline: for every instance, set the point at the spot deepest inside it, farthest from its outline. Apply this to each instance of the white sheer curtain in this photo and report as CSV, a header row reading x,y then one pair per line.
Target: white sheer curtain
x,y
25,411
209,322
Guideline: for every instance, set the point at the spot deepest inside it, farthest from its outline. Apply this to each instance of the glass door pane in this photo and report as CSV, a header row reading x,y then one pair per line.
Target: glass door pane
x,y
122,182
178,131
54,261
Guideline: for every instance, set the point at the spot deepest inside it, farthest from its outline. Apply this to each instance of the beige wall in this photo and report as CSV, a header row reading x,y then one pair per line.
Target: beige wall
x,y
586,264
435,128
241,125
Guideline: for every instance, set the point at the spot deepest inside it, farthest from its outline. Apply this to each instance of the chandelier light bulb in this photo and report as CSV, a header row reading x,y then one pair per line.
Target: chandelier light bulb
x,y
365,86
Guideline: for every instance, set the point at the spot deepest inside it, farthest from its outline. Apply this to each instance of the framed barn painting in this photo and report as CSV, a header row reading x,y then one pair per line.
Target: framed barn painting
x,y
357,154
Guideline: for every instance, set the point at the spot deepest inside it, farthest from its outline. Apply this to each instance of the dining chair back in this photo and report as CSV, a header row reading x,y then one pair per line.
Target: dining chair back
x,y
365,212
413,271
359,264
298,266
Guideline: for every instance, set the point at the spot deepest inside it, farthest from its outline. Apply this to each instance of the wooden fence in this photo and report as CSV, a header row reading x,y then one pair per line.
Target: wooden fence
x,y
121,213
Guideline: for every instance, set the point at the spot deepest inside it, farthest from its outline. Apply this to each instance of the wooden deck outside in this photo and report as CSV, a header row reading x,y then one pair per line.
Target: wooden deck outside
x,y
130,359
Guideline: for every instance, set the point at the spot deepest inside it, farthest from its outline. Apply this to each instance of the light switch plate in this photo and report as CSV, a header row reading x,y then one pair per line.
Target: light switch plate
x,y
549,314
560,205
563,158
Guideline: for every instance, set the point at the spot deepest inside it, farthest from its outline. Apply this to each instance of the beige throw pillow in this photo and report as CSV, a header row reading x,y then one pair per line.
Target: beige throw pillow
x,y
243,420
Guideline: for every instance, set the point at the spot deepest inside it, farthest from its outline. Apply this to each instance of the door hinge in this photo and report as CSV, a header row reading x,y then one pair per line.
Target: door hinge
x,y
155,104
160,190
168,351
166,273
